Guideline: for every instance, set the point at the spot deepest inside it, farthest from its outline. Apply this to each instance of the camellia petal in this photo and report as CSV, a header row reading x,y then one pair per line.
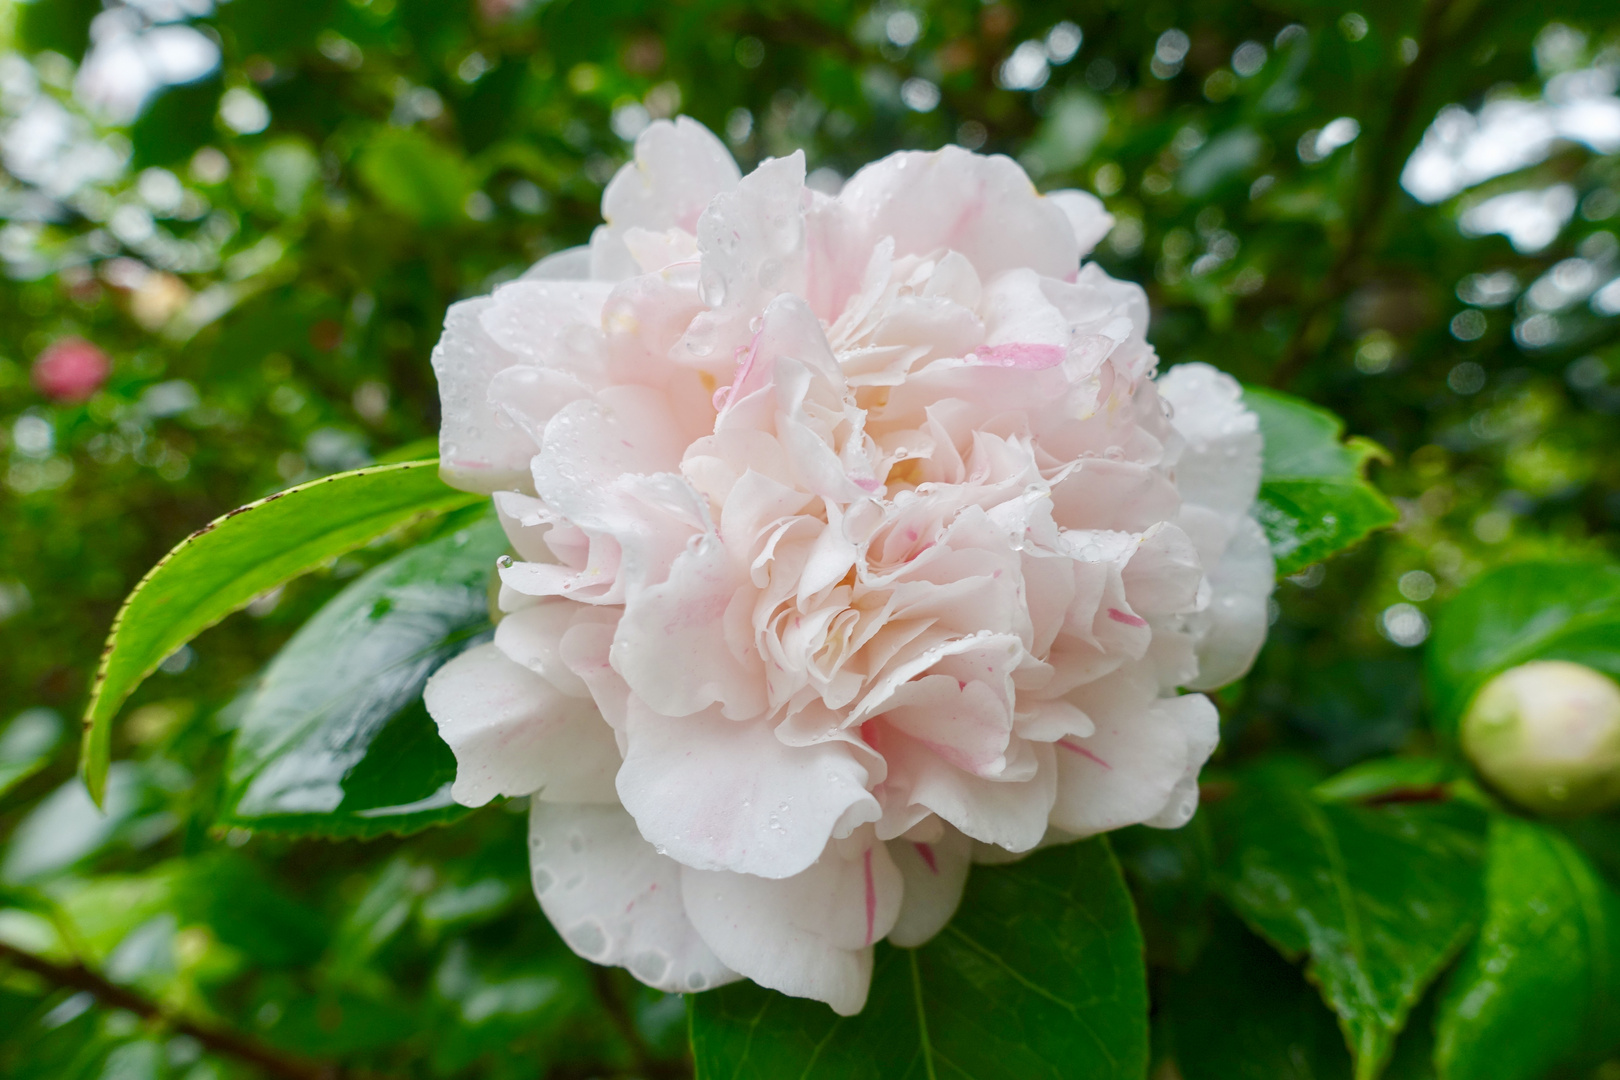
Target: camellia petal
x,y
1136,766
615,900
934,871
678,168
515,733
810,935
860,531
717,794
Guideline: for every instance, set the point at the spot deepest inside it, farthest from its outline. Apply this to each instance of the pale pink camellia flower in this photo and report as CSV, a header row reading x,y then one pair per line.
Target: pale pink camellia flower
x,y
70,369
855,543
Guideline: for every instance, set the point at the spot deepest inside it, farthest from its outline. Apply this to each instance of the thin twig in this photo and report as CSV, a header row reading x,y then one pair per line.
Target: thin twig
x,y
1376,189
76,976
644,1063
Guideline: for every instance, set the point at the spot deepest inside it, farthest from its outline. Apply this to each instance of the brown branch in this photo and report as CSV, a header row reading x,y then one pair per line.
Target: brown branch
x,y
284,1066
644,1064
1379,181
221,1041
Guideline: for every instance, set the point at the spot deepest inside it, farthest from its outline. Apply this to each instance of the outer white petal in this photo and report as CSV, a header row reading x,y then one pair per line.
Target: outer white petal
x,y
678,168
476,451
1200,725
1009,813
810,935
569,264
514,733
719,794
984,207
1141,764
752,241
935,873
1220,467
550,324
533,638
1090,220
1231,630
614,899
520,520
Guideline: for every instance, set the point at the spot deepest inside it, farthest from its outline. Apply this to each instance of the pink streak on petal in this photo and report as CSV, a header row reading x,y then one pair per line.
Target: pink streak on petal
x,y
1125,617
866,483
1083,752
871,897
745,364
927,854
1026,356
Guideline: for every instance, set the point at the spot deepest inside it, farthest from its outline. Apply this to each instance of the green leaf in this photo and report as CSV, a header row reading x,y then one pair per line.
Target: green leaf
x,y
65,827
1542,610
1039,974
1389,778
335,740
1245,1013
1315,498
1540,987
1171,874
1378,899
26,745
415,176
222,566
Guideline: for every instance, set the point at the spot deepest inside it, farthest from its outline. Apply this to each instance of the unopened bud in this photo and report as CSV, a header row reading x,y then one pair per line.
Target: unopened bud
x,y
1547,735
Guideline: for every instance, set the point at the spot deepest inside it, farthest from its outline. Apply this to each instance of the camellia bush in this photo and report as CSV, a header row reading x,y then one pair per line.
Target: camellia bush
x,y
810,539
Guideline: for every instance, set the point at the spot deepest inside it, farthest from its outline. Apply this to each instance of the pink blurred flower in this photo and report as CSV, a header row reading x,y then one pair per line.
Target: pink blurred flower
x,y
71,369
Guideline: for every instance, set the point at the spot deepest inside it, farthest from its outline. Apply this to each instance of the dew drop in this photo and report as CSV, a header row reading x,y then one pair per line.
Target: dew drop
x,y
712,288
699,342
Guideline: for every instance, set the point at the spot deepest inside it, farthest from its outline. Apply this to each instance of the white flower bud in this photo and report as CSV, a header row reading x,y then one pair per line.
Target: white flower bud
x,y
1547,735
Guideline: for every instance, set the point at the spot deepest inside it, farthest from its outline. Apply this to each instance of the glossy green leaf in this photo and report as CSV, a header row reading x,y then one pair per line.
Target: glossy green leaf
x,y
1039,974
1540,987
1542,610
1389,779
1378,900
1315,498
26,745
1171,874
335,740
221,567
1245,1013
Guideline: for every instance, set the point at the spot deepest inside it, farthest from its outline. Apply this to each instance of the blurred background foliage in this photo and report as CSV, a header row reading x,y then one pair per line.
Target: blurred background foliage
x,y
229,235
